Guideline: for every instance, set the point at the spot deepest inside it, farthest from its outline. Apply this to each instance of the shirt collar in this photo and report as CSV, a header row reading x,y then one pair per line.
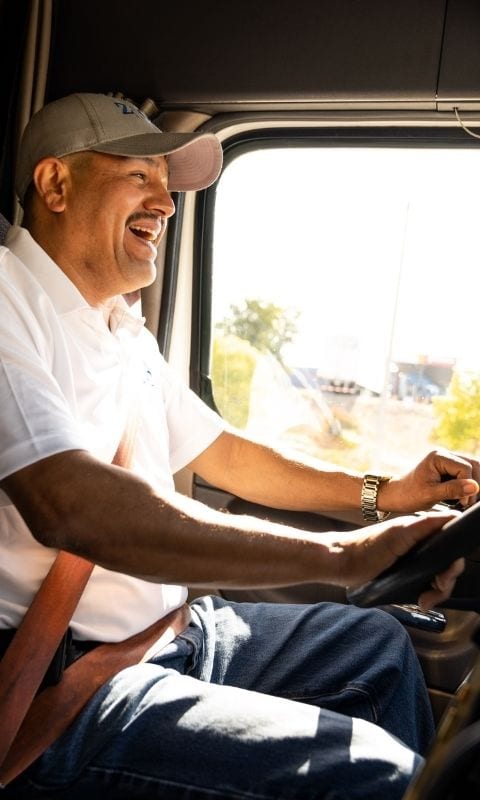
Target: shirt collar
x,y
64,295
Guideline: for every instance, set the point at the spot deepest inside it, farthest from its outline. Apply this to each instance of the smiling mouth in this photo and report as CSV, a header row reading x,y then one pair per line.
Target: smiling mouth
x,y
147,235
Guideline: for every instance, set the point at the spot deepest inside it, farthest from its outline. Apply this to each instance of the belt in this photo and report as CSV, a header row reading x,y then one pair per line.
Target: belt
x,y
56,707
67,652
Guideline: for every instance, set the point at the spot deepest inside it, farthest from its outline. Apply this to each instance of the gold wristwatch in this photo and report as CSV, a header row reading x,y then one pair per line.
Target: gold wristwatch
x,y
368,502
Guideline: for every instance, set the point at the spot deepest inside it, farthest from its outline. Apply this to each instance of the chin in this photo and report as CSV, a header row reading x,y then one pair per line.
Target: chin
x,y
144,275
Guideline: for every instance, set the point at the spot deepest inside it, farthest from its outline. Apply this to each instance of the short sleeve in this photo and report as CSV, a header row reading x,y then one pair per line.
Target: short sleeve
x,y
192,425
36,420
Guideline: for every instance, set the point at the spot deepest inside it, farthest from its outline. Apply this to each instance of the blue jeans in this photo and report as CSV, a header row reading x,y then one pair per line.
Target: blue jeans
x,y
256,701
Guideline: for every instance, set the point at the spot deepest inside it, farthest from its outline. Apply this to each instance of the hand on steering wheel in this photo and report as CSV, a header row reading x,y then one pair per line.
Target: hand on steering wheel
x,y
411,574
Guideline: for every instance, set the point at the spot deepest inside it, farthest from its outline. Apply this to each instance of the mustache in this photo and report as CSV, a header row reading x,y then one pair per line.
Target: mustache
x,y
138,216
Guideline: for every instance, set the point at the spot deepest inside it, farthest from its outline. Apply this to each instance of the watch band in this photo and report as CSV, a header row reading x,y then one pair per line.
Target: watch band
x,y
368,502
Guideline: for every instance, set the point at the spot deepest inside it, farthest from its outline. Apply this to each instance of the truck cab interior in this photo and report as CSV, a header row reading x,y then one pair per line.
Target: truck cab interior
x,y
323,293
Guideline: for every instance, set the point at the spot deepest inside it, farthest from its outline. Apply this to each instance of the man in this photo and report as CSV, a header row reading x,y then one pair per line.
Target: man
x,y
250,700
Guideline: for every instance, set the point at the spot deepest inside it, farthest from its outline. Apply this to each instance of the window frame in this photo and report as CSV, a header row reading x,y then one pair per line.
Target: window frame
x,y
406,136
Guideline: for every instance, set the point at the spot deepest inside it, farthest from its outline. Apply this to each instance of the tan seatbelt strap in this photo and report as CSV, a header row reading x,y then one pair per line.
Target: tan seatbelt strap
x,y
55,708
26,661
29,655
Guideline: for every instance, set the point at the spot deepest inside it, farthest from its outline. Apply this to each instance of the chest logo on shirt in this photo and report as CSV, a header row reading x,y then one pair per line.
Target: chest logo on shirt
x,y
147,376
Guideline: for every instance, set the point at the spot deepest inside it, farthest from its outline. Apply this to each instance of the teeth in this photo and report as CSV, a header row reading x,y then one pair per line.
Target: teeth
x,y
149,235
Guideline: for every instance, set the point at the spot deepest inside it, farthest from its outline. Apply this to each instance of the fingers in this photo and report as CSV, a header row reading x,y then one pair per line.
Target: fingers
x,y
409,531
459,476
455,465
365,553
442,585
441,476
465,491
475,466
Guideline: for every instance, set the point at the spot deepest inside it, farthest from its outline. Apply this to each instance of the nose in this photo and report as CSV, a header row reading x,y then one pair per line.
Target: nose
x,y
159,199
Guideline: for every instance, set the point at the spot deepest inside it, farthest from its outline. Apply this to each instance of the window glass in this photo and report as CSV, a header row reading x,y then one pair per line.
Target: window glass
x,y
345,301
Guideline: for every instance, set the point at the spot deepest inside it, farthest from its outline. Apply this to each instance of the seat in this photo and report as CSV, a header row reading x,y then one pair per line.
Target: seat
x,y
4,226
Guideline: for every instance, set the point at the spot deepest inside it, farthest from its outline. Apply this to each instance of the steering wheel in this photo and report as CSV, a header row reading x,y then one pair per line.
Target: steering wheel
x,y
410,575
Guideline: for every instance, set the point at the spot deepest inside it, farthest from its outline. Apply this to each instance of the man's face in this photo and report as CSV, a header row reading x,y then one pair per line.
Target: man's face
x,y
116,212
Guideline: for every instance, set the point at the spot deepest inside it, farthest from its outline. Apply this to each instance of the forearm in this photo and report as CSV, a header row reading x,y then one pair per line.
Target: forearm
x,y
259,474
111,517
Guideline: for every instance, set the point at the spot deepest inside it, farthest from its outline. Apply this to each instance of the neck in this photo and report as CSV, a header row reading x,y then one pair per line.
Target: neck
x,y
54,241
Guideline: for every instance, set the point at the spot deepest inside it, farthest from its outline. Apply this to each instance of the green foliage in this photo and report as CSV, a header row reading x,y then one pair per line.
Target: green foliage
x,y
266,326
458,414
233,365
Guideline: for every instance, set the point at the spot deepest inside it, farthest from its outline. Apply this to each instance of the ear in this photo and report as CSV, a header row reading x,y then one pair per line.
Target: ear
x,y
50,177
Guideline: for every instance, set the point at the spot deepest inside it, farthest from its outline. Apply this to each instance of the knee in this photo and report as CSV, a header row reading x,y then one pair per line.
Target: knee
x,y
388,635
386,624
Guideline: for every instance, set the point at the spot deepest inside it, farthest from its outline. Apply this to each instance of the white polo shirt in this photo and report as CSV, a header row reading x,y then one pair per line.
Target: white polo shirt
x,y
67,381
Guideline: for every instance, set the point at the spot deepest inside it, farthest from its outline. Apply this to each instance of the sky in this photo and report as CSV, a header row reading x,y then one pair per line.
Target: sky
x,y
356,238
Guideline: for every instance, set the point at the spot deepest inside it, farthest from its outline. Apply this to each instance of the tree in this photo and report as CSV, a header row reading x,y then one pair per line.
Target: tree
x,y
233,365
266,326
252,329
458,414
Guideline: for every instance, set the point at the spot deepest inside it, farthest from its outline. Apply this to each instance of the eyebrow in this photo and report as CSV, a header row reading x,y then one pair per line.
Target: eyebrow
x,y
150,160
147,159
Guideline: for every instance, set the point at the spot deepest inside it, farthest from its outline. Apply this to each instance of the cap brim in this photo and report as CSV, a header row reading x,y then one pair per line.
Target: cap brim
x,y
194,160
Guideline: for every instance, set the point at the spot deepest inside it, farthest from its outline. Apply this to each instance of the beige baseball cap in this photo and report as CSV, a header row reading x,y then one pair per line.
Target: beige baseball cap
x,y
106,124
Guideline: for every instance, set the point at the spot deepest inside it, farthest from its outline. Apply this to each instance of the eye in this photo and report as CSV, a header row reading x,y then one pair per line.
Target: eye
x,y
140,175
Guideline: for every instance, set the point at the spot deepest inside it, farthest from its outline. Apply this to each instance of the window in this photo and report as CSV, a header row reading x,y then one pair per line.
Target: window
x,y
345,291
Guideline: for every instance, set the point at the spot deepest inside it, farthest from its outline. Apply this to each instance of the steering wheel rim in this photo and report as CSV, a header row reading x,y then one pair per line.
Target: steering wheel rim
x,y
411,574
